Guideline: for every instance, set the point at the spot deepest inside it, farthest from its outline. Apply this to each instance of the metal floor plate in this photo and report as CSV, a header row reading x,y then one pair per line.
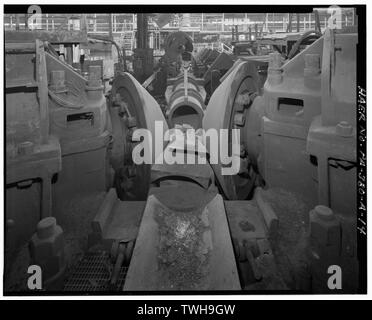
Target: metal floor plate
x,y
92,274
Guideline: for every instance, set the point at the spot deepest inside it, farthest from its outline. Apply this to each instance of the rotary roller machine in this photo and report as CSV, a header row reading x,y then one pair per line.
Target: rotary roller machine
x,y
187,226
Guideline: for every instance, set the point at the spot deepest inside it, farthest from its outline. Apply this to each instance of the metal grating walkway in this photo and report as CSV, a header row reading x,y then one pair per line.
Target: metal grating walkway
x,y
92,274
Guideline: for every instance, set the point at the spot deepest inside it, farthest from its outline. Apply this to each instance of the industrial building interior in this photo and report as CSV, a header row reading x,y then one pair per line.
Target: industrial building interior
x,y
78,86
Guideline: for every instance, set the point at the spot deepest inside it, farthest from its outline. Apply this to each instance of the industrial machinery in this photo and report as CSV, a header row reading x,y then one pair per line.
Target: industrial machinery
x,y
288,44
185,203
183,216
187,226
299,135
207,64
169,66
57,136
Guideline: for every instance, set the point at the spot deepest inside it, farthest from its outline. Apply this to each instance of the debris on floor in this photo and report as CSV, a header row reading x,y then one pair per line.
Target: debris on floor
x,y
291,241
75,221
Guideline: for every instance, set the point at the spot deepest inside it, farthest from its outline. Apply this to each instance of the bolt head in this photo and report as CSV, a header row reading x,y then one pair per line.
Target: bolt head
x,y
324,212
10,223
239,119
242,101
131,122
45,227
344,129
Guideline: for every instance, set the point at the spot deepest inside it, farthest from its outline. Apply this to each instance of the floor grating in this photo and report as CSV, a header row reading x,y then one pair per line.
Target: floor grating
x,y
93,273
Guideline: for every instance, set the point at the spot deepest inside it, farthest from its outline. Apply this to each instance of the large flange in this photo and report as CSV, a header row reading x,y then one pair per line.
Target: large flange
x,y
131,108
228,108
